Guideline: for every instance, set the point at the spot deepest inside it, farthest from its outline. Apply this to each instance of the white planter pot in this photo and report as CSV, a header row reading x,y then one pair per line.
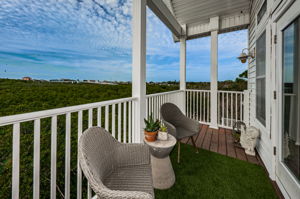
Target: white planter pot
x,y
162,135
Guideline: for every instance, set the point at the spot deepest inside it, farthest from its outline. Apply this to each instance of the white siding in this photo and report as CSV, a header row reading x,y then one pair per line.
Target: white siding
x,y
264,147
269,132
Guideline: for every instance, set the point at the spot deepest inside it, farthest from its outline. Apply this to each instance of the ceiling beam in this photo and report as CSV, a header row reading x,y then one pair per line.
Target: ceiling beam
x,y
160,9
226,24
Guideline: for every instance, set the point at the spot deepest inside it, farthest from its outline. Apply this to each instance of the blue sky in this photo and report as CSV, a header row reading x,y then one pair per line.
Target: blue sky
x,y
91,39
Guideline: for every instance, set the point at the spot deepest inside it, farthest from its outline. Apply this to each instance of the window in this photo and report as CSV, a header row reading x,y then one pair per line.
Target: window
x,y
261,79
261,12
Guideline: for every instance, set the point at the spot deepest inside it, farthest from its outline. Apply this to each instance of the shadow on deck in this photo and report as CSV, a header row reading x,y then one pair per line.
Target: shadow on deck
x,y
221,141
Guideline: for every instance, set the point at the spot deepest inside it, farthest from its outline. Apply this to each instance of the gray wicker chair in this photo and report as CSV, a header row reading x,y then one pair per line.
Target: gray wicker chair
x,y
178,124
113,169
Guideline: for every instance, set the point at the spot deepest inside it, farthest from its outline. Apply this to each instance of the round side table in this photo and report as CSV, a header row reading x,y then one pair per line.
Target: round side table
x,y
162,170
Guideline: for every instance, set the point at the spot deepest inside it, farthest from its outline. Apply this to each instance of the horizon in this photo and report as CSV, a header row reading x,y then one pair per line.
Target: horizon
x,y
89,40
82,80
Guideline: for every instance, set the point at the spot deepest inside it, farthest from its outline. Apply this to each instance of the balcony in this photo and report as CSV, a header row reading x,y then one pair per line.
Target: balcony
x,y
221,170
65,125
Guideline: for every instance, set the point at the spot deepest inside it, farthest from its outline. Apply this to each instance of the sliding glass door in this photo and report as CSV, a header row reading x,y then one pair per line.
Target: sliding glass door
x,y
291,97
286,116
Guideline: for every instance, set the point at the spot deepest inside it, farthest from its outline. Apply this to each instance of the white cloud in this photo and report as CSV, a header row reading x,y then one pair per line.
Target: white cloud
x,y
102,28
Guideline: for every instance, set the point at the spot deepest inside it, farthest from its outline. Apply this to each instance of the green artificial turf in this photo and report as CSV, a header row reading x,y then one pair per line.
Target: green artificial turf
x,y
211,175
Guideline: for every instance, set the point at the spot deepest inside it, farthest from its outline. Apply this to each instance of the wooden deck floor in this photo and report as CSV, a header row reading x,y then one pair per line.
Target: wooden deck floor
x,y
220,141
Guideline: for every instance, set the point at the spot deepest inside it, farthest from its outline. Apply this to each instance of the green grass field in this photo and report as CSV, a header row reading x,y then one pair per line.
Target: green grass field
x,y
19,96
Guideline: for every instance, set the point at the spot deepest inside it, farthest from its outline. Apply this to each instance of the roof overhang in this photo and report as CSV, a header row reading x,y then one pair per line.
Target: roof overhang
x,y
229,23
192,18
164,14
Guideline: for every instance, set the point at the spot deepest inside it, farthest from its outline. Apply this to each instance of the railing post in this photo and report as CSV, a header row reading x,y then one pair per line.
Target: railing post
x,y
139,65
214,26
16,161
246,108
183,74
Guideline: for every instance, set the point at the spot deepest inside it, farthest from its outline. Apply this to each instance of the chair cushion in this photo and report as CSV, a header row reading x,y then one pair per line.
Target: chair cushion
x,y
131,178
183,133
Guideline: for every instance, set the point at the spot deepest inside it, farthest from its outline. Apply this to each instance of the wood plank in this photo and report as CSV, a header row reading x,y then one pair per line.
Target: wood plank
x,y
277,190
260,162
240,154
214,141
229,144
252,159
201,136
207,139
222,142
189,141
195,137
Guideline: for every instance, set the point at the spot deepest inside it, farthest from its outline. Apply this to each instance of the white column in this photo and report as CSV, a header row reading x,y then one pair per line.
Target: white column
x,y
183,72
246,108
139,65
214,25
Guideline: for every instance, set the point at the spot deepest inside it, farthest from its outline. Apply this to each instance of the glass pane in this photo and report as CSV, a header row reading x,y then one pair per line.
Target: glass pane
x,y
261,100
261,12
260,78
291,90
261,55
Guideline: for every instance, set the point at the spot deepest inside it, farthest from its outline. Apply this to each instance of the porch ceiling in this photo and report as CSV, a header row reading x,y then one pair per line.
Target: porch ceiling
x,y
195,15
197,11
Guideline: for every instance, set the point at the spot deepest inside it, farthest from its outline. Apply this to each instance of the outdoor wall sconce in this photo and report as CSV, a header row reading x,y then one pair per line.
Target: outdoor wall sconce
x,y
244,56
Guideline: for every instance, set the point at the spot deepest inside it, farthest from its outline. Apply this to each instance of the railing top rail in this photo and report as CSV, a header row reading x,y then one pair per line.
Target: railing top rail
x,y
11,119
198,90
164,93
222,91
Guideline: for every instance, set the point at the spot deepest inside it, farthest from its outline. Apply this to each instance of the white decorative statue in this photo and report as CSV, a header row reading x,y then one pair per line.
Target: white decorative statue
x,y
248,139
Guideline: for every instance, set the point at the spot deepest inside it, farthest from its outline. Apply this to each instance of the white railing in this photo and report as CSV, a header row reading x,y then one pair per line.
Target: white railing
x,y
198,105
117,116
232,106
154,101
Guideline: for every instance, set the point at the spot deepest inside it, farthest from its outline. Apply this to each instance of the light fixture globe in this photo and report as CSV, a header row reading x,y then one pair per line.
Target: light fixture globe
x,y
243,57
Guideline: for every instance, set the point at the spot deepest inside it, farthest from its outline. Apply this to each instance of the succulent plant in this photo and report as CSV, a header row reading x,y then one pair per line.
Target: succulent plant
x,y
163,128
151,124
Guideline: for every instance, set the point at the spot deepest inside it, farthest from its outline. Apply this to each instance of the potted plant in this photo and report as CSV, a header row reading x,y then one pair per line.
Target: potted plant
x,y
162,133
236,131
151,128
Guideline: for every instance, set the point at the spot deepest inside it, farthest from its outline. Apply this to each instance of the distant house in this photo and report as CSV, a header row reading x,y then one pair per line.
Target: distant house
x,y
92,81
54,80
63,80
27,78
107,83
68,80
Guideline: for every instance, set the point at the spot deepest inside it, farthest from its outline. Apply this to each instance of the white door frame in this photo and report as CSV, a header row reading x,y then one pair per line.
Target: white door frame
x,y
289,185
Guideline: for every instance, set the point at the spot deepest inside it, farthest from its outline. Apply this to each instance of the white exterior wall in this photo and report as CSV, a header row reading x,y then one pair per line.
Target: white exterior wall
x,y
265,146
269,132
